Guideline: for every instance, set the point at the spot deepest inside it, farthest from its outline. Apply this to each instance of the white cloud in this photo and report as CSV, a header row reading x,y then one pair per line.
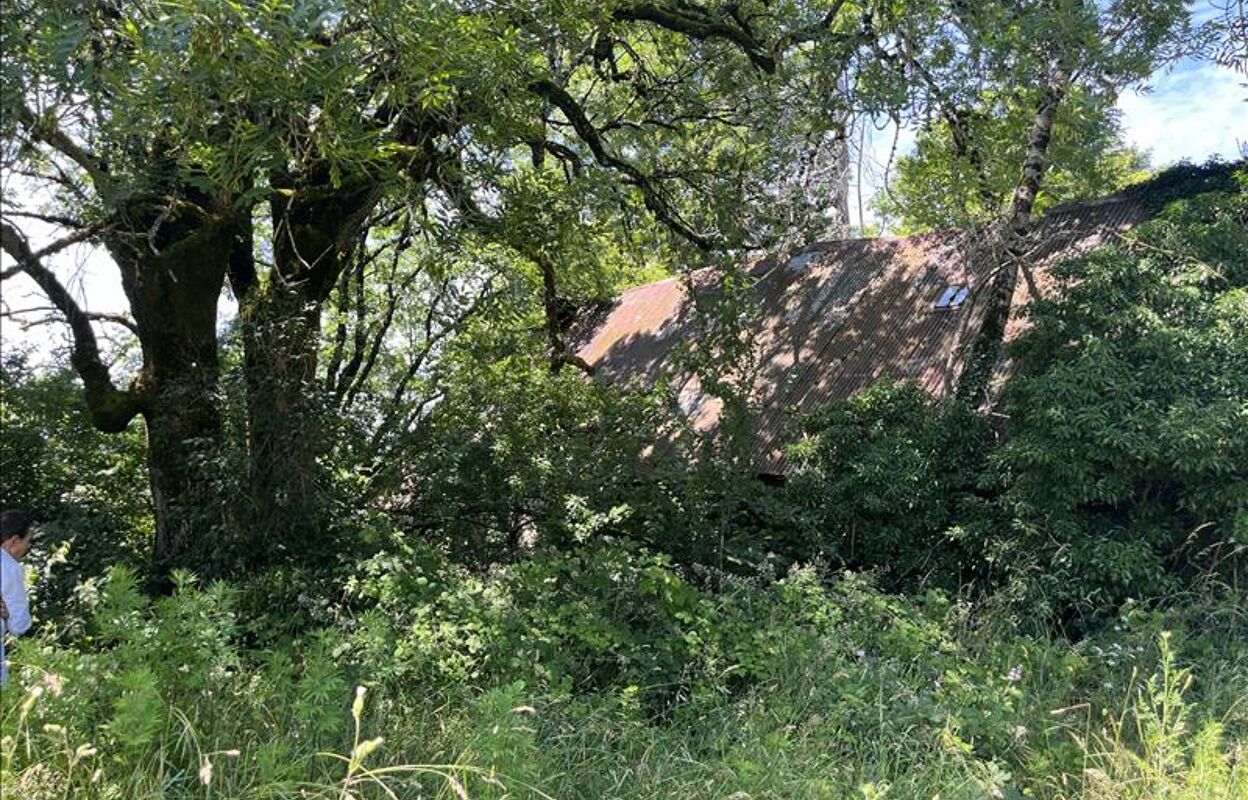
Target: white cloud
x,y
1195,112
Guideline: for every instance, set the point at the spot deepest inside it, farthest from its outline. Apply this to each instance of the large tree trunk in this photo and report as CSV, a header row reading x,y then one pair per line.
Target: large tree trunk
x,y
285,422
183,440
173,258
314,230
173,281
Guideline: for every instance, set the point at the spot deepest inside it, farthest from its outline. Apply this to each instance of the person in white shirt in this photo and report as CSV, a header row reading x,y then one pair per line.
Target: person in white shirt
x,y
17,534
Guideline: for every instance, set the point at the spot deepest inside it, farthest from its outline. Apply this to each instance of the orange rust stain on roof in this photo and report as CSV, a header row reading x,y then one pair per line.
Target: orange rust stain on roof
x,y
835,318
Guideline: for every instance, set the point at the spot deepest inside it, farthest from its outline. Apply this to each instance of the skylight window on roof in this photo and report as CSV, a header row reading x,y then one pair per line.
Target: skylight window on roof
x,y
953,296
803,260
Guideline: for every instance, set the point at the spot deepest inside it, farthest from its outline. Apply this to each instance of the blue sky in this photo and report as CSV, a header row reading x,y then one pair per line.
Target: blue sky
x,y
1195,111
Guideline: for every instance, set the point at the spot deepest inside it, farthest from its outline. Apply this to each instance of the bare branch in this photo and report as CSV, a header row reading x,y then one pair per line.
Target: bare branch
x,y
392,302
69,240
94,316
359,328
334,365
116,319
51,219
394,418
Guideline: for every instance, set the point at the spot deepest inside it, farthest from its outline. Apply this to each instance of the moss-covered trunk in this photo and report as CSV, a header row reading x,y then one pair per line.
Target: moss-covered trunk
x,y
285,423
287,431
173,285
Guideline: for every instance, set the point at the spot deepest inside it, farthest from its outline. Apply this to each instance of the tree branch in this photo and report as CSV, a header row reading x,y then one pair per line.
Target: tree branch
x,y
560,355
69,240
700,24
383,328
964,143
94,316
51,219
46,131
111,408
809,33
654,199
393,417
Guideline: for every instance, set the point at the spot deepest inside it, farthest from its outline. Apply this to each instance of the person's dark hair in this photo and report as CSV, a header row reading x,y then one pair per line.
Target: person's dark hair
x,y
14,523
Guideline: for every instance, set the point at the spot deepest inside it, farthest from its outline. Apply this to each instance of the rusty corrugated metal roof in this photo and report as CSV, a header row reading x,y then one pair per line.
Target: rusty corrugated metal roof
x,y
832,319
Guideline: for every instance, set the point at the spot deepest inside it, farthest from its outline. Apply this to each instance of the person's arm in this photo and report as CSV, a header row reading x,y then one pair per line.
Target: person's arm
x,y
14,593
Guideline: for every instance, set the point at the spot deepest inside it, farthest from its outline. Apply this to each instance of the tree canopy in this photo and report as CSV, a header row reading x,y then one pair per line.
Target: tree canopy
x,y
393,168
396,468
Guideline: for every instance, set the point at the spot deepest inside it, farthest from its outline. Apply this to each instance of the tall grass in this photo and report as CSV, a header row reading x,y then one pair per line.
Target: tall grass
x,y
851,693
785,739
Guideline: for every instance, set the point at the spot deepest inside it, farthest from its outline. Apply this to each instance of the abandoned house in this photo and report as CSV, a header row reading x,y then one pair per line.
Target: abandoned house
x,y
836,316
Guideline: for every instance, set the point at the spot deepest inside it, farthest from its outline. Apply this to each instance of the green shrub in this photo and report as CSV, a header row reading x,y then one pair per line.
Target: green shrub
x,y
811,686
1124,471
88,490
1121,471
883,480
154,685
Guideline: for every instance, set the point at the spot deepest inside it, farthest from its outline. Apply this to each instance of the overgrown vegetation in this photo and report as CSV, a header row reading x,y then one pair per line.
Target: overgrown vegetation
x,y
629,682
935,604
386,534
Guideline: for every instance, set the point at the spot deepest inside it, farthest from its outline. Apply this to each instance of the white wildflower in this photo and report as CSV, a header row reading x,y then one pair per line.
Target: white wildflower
x,y
205,772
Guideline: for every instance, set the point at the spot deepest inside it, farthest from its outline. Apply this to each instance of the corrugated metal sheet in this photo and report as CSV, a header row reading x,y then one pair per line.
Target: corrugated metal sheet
x,y
832,319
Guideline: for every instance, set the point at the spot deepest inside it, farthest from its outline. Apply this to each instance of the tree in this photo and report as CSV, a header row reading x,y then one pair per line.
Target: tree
x,y
1053,57
936,187
1124,473
265,145
1225,35
283,147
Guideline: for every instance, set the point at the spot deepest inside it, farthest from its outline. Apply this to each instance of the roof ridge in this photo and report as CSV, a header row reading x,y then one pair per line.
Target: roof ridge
x,y
1180,180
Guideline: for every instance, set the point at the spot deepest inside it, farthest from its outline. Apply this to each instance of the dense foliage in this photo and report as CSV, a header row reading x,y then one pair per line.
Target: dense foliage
x,y
385,534
367,176
1119,471
885,478
546,608
625,681
1125,470
386,167
88,489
